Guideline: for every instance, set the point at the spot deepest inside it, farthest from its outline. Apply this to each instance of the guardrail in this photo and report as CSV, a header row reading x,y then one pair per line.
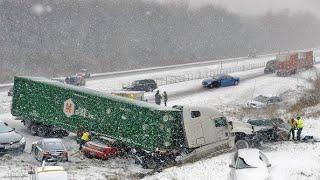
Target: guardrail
x,y
173,67
205,74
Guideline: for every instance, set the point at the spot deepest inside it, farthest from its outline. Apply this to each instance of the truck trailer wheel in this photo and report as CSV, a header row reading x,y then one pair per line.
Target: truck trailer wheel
x,y
34,129
149,163
42,131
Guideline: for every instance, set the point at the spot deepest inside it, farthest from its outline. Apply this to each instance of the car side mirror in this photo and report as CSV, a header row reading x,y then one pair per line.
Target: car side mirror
x,y
5,123
269,165
231,166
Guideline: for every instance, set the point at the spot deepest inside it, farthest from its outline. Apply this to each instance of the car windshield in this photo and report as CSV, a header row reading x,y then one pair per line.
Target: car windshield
x,y
261,98
4,128
262,122
136,83
277,121
217,76
53,145
241,164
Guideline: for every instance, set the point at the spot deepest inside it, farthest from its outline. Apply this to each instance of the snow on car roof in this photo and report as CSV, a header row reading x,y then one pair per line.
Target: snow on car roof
x,y
251,157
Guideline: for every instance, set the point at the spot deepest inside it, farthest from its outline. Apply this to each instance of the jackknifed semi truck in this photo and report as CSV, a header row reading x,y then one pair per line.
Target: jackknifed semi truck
x,y
155,135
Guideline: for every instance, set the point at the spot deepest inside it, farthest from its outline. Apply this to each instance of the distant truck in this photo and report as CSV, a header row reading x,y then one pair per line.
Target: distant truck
x,y
154,135
290,63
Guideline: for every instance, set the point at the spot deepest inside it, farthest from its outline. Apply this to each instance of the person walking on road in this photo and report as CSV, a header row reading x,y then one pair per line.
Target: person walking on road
x,y
157,98
165,98
293,124
300,125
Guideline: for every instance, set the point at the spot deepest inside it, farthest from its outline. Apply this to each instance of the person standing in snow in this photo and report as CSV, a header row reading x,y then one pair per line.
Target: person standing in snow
x,y
84,138
300,125
165,98
157,98
293,124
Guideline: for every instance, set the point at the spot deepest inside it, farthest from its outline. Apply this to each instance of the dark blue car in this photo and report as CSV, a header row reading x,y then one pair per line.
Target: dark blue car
x,y
220,80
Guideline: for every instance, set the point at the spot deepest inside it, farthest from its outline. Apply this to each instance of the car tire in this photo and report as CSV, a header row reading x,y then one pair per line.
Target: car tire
x,y
236,83
211,85
88,155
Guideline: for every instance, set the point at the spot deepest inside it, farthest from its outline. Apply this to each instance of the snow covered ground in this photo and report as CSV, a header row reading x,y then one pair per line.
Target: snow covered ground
x,y
289,160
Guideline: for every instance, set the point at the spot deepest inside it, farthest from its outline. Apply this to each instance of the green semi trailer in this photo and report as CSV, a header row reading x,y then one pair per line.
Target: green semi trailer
x,y
152,132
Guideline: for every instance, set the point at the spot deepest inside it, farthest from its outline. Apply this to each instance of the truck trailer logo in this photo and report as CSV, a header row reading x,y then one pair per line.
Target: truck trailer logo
x,y
68,108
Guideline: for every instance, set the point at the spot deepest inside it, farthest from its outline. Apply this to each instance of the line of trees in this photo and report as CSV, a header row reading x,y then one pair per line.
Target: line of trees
x,y
58,37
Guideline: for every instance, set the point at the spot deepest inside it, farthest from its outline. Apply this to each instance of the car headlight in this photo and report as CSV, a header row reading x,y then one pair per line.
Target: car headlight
x,y
22,140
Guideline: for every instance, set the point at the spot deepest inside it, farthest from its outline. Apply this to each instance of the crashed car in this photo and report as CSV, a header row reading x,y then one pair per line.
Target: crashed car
x,y
49,149
220,80
274,129
99,150
244,135
75,80
249,164
10,140
262,101
147,85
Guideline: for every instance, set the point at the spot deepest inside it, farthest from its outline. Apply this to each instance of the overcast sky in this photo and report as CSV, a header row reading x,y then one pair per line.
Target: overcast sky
x,y
260,6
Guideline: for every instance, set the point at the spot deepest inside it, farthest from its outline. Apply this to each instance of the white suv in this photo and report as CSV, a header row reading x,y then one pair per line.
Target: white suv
x,y
48,173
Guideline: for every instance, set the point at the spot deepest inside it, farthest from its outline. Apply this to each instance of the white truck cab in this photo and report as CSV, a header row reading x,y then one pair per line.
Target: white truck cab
x,y
206,131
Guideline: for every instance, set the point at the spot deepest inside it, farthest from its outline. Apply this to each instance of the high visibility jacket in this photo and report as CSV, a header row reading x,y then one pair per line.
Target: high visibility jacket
x,y
85,136
293,123
300,123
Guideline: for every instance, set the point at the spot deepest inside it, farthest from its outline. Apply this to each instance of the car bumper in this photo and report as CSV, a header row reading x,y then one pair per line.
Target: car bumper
x,y
17,147
52,158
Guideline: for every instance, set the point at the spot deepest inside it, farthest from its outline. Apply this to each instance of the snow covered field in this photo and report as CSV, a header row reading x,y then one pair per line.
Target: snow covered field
x,y
289,160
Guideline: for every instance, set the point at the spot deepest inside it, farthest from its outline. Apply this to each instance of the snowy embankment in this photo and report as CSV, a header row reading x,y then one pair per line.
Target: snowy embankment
x,y
295,161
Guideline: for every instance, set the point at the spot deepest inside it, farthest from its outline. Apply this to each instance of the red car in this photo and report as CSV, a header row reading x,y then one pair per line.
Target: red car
x,y
99,150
